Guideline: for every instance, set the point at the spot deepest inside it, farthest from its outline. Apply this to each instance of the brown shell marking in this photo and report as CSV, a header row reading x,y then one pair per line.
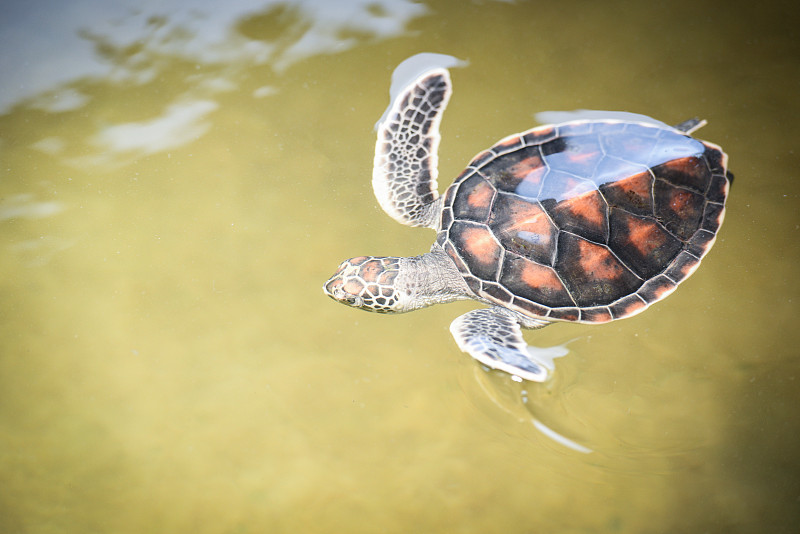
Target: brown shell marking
x,y
537,136
507,144
593,275
586,215
645,236
641,243
691,172
565,314
519,171
627,306
478,247
480,197
529,170
451,251
535,282
523,227
656,288
587,221
678,209
683,266
474,199
718,190
601,314
633,194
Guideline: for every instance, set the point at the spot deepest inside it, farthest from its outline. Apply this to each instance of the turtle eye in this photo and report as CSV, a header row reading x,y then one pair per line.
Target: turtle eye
x,y
354,300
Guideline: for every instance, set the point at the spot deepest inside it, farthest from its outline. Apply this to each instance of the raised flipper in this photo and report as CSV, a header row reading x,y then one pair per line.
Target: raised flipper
x,y
405,171
493,336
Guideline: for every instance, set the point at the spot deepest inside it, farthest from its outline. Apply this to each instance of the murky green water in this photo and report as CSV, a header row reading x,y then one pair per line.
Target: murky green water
x,y
178,179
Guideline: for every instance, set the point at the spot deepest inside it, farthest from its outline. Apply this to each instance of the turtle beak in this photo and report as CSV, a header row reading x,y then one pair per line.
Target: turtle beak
x,y
331,286
334,282
348,289
334,288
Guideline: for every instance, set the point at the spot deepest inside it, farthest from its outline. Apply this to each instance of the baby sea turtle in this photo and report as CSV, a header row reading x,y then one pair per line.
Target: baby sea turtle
x,y
585,221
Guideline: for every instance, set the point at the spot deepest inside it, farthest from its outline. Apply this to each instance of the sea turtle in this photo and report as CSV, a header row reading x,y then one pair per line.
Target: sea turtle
x,y
585,221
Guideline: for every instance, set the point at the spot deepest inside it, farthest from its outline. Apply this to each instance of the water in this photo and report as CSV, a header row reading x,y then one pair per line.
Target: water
x,y
177,182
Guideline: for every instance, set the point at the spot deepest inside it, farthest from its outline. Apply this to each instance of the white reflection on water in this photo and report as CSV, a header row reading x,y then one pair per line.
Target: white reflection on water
x,y
510,394
65,99
38,252
32,252
329,21
558,438
24,206
50,145
180,124
53,45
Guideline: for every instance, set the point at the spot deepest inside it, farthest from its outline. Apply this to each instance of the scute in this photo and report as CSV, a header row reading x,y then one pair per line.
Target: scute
x,y
577,155
632,193
538,136
534,282
478,248
523,168
586,221
561,186
473,201
524,228
680,210
593,274
642,243
632,144
691,173
585,215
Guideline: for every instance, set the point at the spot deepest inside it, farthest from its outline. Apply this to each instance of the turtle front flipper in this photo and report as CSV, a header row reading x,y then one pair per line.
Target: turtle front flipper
x,y
493,337
405,171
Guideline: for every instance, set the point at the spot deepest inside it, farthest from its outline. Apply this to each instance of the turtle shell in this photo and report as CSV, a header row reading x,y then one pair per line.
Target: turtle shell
x,y
585,221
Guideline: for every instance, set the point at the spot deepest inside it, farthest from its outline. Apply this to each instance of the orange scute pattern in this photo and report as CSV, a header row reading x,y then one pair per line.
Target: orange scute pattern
x,y
597,261
585,220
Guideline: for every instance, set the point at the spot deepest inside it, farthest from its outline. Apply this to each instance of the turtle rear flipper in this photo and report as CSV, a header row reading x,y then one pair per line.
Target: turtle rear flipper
x,y
405,171
690,126
493,337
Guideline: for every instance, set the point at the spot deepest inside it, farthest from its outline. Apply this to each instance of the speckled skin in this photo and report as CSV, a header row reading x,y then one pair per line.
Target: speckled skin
x,y
586,221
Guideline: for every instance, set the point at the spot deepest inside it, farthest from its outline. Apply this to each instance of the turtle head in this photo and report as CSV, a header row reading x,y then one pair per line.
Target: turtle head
x,y
368,282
